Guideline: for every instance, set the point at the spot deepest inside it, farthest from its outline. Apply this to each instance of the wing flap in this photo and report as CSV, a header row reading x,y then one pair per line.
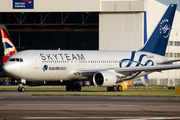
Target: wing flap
x,y
127,70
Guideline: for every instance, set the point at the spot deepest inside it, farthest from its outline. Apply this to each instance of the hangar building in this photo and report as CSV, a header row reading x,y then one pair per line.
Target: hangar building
x,y
88,25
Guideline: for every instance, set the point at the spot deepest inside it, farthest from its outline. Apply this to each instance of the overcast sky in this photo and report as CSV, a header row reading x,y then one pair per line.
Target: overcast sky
x,y
167,2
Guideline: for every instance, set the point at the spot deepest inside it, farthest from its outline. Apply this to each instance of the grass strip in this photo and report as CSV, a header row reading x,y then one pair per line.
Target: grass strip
x,y
110,94
36,89
52,88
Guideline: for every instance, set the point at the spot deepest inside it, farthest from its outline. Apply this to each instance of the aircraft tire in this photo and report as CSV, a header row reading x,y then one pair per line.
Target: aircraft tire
x,y
73,88
114,88
78,87
19,89
68,87
109,88
22,89
119,88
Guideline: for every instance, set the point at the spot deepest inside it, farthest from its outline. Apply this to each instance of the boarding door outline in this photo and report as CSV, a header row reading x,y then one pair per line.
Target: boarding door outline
x,y
36,62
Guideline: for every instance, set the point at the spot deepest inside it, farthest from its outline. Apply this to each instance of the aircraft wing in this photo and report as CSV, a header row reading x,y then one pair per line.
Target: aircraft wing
x,y
127,70
148,68
168,61
86,72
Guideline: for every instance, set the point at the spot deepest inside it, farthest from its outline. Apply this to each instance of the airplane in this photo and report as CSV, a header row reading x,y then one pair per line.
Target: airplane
x,y
9,48
106,68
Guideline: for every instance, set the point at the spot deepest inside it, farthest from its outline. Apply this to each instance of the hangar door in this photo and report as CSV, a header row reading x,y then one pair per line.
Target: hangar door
x,y
56,40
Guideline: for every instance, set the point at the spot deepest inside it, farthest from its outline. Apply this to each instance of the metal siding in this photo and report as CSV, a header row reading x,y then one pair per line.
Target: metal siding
x,y
120,31
54,6
75,6
127,6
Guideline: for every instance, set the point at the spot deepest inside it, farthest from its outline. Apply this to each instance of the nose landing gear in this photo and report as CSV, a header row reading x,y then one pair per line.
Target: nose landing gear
x,y
21,88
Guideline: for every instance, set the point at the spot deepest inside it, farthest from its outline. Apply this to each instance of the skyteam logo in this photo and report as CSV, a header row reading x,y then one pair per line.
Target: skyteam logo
x,y
23,4
164,28
46,67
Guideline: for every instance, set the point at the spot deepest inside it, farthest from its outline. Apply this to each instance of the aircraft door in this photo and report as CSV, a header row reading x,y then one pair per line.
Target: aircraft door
x,y
36,62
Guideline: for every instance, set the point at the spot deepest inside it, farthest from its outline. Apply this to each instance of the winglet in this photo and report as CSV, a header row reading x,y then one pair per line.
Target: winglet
x,y
9,48
158,41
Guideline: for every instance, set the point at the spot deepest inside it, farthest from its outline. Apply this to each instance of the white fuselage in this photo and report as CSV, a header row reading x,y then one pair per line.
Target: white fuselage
x,y
53,65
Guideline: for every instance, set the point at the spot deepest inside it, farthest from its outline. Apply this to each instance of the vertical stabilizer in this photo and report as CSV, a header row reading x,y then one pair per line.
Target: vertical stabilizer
x,y
9,48
158,41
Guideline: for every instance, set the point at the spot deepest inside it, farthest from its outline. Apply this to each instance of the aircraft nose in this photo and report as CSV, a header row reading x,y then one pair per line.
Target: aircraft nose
x,y
7,68
10,69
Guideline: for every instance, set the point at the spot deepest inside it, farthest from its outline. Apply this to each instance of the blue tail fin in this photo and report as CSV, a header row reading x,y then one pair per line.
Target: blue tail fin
x,y
158,41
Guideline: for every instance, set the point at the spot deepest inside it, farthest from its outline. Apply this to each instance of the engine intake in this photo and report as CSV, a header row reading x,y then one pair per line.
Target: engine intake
x,y
104,78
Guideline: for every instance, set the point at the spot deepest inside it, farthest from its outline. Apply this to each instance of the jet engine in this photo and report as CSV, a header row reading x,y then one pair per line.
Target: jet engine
x,y
105,78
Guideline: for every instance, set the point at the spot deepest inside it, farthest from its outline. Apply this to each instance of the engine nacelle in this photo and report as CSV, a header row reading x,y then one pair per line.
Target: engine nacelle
x,y
104,78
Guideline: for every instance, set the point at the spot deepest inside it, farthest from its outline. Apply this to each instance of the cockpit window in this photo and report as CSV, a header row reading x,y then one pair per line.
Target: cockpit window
x,y
12,59
20,60
16,59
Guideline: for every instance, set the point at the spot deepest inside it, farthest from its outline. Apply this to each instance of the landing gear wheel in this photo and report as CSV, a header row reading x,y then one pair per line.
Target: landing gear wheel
x,y
21,89
68,88
109,88
78,87
73,88
114,88
119,88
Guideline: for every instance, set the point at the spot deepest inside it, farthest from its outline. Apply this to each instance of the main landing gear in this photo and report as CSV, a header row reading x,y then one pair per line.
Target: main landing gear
x,y
21,88
115,88
73,87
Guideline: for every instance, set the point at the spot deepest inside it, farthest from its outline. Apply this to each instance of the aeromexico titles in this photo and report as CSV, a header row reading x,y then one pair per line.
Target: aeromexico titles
x,y
106,68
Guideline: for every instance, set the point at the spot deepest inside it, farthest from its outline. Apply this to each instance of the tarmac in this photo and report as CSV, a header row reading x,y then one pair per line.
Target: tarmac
x,y
22,105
